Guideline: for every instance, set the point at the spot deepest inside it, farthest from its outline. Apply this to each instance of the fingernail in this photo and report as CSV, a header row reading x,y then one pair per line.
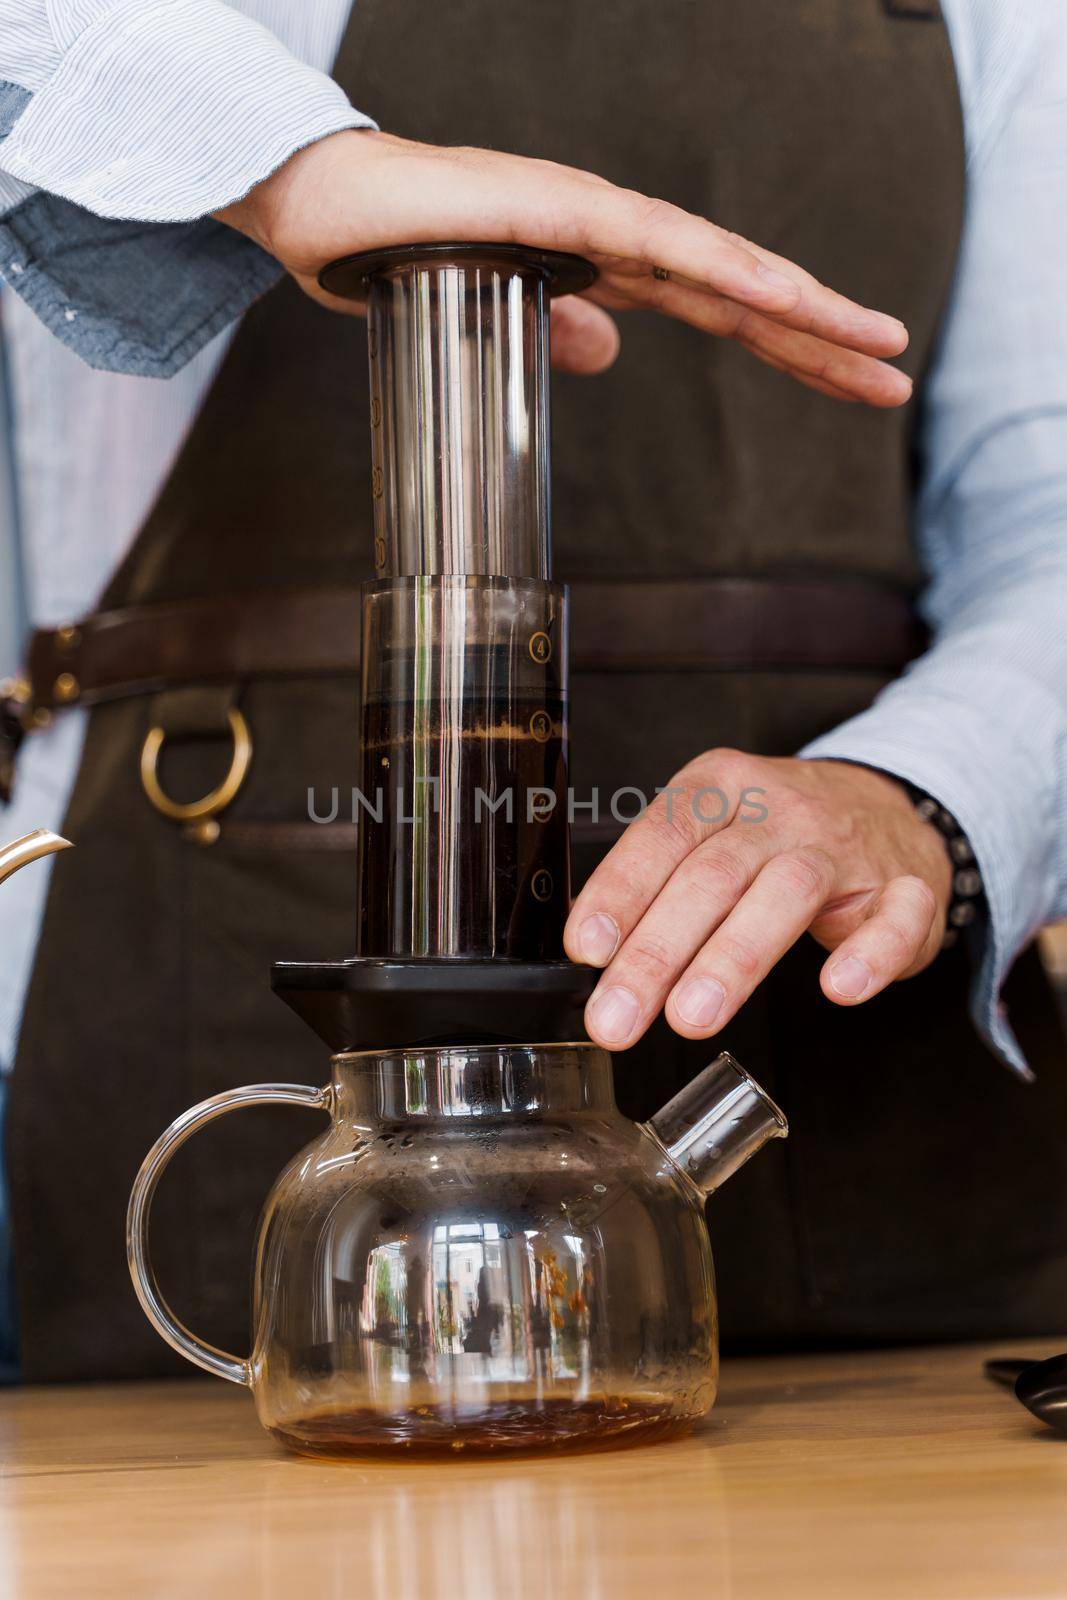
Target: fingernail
x,y
598,939
777,280
615,1014
851,978
700,1001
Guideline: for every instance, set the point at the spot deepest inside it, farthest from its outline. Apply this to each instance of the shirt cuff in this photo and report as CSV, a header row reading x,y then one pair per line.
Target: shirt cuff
x,y
166,110
155,114
942,737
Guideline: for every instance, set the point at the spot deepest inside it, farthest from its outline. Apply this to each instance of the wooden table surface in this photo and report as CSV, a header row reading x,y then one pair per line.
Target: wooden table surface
x,y
901,1474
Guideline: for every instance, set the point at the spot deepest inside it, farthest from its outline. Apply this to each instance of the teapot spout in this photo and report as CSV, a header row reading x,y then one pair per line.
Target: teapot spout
x,y
31,848
717,1122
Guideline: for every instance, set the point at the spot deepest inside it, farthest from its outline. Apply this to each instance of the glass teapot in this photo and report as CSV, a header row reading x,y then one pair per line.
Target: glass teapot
x,y
480,1254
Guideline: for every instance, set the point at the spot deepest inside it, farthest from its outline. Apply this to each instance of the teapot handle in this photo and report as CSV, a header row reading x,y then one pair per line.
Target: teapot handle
x,y
153,1304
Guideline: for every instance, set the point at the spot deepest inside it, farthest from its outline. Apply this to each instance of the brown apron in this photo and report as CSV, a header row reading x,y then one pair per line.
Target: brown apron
x,y
924,1190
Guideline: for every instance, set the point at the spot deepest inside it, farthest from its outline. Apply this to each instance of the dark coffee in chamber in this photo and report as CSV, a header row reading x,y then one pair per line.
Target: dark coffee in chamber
x,y
463,827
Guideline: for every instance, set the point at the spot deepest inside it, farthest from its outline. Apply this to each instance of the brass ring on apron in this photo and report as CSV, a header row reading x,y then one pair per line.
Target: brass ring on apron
x,y
218,799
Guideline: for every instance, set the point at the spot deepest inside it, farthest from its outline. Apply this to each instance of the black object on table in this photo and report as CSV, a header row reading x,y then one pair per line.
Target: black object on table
x,y
1040,1385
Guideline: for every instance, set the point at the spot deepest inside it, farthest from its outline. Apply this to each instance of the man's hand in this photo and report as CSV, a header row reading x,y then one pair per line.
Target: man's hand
x,y
692,914
361,190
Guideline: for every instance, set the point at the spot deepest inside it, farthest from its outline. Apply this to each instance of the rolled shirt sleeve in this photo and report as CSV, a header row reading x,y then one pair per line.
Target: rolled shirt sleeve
x,y
123,125
980,721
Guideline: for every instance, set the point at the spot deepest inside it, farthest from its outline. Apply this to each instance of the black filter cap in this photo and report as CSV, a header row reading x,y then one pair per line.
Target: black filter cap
x,y
364,1004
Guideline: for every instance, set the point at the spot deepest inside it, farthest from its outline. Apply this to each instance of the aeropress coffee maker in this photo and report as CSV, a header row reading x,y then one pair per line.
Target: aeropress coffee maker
x,y
480,1254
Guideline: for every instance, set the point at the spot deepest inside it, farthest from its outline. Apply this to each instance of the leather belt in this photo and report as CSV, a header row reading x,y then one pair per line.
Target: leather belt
x,y
693,624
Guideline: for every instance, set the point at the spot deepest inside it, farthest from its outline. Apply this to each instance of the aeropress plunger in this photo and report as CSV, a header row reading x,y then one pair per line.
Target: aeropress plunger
x,y
464,843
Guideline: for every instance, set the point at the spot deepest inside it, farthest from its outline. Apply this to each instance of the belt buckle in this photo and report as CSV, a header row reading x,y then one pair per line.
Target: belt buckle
x,y
16,697
19,715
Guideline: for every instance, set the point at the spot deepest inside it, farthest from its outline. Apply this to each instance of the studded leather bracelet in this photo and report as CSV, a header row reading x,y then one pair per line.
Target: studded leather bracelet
x,y
968,901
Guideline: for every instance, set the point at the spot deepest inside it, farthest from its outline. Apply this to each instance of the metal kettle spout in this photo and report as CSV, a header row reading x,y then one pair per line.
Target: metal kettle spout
x,y
717,1122
31,848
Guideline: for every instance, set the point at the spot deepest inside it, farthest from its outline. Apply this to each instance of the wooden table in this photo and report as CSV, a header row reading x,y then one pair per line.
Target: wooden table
x,y
866,1476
